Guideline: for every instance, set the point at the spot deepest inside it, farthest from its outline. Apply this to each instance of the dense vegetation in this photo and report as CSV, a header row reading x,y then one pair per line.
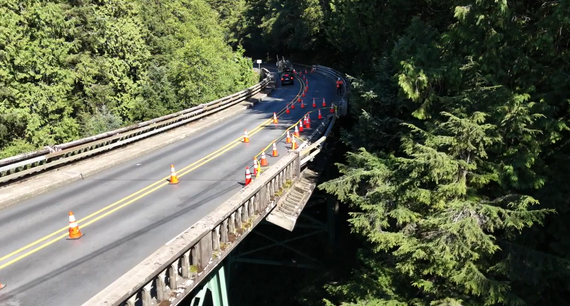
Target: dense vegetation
x,y
73,68
456,172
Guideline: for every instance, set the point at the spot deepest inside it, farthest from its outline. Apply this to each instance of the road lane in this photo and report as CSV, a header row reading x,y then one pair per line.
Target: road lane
x,y
125,180
70,272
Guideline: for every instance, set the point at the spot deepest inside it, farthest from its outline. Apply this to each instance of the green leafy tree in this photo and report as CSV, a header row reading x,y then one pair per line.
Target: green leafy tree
x,y
62,61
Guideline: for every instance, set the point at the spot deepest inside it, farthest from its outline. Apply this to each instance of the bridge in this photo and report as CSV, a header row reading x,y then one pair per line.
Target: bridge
x,y
148,242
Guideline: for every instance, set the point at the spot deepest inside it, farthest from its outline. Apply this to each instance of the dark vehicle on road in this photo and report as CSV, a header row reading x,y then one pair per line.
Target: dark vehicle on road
x,y
287,78
285,69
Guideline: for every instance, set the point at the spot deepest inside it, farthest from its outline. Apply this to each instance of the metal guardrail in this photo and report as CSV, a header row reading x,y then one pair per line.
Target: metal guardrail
x,y
28,163
174,270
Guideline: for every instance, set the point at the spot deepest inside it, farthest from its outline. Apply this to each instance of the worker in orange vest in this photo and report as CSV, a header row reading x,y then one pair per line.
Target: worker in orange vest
x,y
338,86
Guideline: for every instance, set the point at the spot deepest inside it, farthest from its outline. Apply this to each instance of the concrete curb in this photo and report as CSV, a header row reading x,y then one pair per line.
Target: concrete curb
x,y
70,177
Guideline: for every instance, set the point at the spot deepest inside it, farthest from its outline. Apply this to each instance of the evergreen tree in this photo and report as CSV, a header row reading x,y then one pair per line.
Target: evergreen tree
x,y
425,212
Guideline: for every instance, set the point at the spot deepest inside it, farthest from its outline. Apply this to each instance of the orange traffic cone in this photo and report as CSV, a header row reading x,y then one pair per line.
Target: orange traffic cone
x,y
305,71
74,232
288,140
255,166
293,105
247,176
320,115
324,103
307,82
299,99
287,111
293,144
245,136
304,93
306,88
332,109
275,118
307,122
302,104
296,134
314,104
301,126
263,161
2,286
173,176
274,154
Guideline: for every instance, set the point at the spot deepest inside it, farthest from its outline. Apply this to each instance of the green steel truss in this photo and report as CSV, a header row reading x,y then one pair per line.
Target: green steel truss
x,y
214,291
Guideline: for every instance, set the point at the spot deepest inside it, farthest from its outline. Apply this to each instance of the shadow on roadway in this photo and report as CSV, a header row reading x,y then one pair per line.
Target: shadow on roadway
x,y
117,171
47,278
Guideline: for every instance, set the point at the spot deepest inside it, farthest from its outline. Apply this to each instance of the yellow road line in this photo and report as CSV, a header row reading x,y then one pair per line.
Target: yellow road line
x,y
223,149
282,136
194,166
301,89
136,195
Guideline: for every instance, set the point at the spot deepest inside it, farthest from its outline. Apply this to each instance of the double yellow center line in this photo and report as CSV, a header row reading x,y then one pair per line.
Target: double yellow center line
x,y
103,212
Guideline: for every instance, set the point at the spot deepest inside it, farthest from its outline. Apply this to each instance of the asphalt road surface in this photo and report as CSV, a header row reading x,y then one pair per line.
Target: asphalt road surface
x,y
128,212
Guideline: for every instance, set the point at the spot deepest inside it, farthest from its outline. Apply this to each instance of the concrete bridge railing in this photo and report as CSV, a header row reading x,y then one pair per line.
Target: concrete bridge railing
x,y
174,270
21,165
177,268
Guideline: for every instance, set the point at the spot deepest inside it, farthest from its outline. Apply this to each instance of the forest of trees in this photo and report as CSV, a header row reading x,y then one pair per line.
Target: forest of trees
x,y
75,68
456,176
458,135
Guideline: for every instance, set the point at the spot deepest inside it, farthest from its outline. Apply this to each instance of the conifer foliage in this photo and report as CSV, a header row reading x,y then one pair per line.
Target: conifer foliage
x,y
457,175
425,209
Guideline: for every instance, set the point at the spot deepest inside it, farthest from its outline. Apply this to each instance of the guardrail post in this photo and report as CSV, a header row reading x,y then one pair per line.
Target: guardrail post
x,y
224,231
186,265
297,165
205,251
232,223
194,260
245,215
263,197
216,239
161,286
146,298
238,217
257,202
132,300
251,207
173,275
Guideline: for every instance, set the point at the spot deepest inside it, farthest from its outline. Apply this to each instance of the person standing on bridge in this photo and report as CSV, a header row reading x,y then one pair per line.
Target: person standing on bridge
x,y
339,84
